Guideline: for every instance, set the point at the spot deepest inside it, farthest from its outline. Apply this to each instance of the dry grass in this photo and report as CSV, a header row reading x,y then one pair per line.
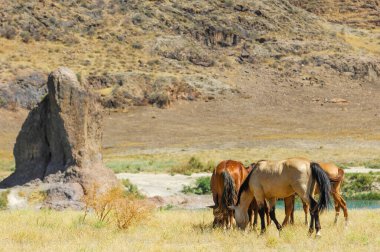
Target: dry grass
x,y
31,230
366,43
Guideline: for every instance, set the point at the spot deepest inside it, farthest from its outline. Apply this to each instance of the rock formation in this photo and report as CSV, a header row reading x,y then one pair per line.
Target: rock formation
x,y
60,141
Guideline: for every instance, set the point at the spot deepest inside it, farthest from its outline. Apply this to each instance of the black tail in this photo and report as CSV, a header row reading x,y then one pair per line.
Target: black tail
x,y
324,185
229,192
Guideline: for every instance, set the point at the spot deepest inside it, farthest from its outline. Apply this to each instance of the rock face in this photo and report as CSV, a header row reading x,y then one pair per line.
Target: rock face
x,y
60,141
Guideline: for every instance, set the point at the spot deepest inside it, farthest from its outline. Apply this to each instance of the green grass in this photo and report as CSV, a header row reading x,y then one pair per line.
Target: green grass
x,y
373,164
141,164
131,189
3,199
360,186
163,164
202,186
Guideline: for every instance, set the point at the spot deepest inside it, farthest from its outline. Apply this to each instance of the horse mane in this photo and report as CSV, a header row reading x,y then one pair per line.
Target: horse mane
x,y
245,186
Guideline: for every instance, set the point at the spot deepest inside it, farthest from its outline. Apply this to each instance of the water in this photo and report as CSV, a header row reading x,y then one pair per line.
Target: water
x,y
351,204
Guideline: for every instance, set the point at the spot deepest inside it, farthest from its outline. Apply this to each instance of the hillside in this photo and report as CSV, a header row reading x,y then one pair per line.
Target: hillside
x,y
156,52
233,73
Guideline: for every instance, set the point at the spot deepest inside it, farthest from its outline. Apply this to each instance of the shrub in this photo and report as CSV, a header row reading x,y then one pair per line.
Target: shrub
x,y
137,19
130,211
8,32
25,37
202,186
194,165
113,206
137,45
159,99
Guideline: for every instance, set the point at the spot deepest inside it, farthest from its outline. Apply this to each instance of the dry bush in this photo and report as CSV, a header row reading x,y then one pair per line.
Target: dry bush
x,y
128,211
114,206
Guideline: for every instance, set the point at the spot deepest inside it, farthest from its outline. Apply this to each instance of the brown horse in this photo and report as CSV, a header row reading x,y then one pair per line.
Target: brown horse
x,y
271,180
226,180
336,177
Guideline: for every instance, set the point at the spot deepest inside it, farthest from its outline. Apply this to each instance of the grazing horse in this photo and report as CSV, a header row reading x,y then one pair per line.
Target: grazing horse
x,y
226,180
271,180
336,177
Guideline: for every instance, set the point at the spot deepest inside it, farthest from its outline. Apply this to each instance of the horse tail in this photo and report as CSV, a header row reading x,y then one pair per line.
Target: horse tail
x,y
324,185
338,178
229,192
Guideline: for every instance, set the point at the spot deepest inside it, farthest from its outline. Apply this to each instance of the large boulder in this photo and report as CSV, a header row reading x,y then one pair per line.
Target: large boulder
x,y
60,141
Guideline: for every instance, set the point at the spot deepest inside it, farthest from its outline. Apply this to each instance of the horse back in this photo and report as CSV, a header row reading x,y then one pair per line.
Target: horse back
x,y
235,169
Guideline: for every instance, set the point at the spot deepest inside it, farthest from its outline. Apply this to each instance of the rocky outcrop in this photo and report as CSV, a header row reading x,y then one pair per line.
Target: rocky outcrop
x,y
60,141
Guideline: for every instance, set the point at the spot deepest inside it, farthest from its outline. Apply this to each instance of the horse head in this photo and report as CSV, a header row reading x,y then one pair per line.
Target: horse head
x,y
241,216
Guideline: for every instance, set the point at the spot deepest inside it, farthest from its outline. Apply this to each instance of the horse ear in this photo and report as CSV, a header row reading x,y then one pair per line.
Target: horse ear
x,y
213,207
232,207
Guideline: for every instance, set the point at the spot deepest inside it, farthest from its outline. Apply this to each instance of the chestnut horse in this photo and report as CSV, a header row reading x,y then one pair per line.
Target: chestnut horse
x,y
336,177
226,180
271,180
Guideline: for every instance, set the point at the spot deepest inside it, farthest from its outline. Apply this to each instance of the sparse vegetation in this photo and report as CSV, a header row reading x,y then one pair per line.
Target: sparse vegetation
x,y
202,186
362,186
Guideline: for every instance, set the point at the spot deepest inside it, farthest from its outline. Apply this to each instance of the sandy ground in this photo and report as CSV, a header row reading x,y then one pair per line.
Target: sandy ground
x,y
166,189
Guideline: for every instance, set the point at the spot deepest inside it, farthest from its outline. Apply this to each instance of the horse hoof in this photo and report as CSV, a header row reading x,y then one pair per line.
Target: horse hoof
x,y
311,231
318,235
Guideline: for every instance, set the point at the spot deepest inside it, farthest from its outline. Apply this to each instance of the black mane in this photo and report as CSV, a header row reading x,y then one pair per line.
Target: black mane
x,y
245,185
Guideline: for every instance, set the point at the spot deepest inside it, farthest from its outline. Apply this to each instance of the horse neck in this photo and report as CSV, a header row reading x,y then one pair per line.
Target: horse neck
x,y
245,199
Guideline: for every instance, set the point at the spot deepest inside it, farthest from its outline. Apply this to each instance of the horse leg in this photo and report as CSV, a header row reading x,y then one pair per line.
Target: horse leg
x,y
262,218
260,200
306,210
342,202
272,213
292,209
288,202
344,207
313,206
231,219
250,215
256,212
317,223
337,207
267,213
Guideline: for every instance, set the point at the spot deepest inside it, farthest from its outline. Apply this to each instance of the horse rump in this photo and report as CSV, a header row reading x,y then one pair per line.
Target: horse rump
x,y
323,182
338,178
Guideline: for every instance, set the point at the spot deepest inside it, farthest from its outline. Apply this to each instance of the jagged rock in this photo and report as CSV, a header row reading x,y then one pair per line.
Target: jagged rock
x,y
60,141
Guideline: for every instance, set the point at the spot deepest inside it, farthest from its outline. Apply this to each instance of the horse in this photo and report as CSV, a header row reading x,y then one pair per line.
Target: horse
x,y
253,209
336,177
225,182
280,179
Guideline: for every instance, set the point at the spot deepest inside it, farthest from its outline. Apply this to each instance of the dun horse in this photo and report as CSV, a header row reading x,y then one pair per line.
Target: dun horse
x,y
271,180
226,180
336,177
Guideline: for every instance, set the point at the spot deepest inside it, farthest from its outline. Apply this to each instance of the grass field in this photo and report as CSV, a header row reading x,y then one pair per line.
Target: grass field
x,y
174,230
